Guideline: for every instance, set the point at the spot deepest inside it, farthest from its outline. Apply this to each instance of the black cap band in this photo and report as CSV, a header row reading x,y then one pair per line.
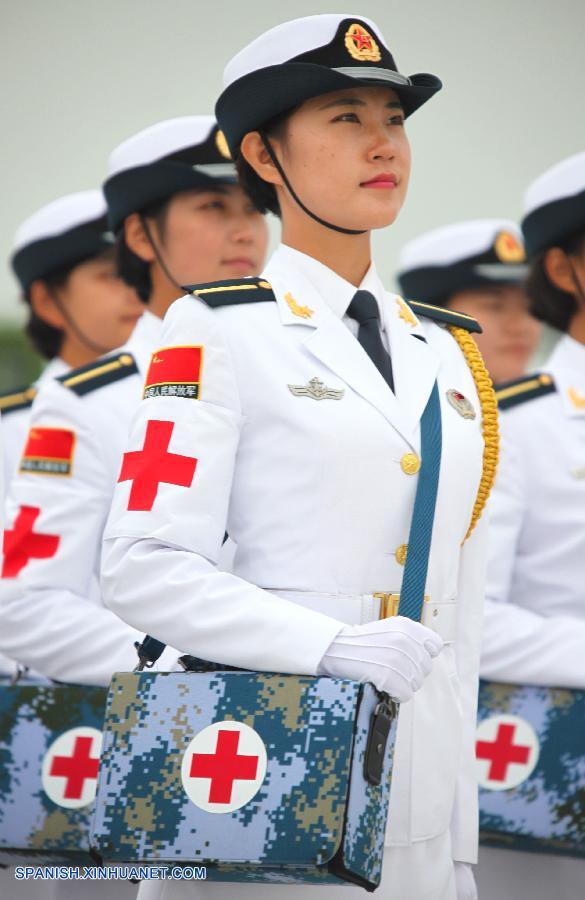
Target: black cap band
x,y
39,258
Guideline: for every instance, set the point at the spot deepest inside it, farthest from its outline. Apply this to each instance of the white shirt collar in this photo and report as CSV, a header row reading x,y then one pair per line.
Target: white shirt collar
x,y
569,357
335,291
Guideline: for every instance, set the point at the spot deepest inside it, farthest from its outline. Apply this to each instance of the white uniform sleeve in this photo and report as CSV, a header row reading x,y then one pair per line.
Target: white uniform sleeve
x,y
159,560
470,594
51,613
519,645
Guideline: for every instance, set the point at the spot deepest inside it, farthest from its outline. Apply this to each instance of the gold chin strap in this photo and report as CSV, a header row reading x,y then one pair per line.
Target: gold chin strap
x,y
489,417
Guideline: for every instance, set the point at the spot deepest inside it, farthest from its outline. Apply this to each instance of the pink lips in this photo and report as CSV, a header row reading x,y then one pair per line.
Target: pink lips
x,y
383,180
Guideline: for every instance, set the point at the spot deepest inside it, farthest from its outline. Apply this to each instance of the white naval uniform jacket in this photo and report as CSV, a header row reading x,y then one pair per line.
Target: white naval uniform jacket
x,y
51,614
15,422
534,629
315,497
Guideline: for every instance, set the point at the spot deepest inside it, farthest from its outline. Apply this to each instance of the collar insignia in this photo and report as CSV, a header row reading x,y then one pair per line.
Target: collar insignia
x,y
459,402
304,312
361,45
577,399
406,314
315,389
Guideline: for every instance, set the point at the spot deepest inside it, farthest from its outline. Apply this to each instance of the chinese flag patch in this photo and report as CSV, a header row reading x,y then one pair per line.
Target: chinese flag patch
x,y
48,451
174,372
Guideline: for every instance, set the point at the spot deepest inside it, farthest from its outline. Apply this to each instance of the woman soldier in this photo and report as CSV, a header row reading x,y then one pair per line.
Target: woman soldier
x,y
63,258
535,605
478,268
305,422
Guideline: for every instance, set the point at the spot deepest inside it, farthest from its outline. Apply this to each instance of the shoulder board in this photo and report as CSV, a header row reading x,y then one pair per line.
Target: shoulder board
x,y
448,316
232,292
19,398
100,373
512,393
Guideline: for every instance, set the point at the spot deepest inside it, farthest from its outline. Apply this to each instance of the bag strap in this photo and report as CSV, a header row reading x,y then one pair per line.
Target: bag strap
x,y
419,539
412,593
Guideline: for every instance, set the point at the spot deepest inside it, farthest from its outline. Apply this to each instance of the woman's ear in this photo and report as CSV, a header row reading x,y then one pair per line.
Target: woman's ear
x,y
137,239
559,270
44,306
257,156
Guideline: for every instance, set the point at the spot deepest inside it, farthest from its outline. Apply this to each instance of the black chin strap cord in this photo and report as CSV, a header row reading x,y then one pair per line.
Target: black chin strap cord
x,y
158,255
295,197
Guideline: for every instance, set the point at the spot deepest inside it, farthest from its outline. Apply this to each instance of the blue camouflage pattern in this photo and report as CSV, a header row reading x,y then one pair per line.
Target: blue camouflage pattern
x,y
32,717
315,732
546,812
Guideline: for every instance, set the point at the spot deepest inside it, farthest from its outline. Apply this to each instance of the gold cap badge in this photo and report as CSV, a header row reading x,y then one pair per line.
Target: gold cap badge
x,y
508,248
222,144
361,45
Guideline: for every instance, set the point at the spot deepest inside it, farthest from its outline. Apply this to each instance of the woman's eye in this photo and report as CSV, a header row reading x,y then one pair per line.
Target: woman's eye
x,y
213,204
346,117
397,120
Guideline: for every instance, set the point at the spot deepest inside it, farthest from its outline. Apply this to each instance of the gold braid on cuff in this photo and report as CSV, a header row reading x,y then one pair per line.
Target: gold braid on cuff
x,y
489,420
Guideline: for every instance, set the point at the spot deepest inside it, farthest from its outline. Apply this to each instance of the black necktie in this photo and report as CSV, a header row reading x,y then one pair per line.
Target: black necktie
x,y
364,309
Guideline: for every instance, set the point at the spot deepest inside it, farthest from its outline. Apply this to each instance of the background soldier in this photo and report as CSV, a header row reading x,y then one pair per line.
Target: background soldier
x,y
477,268
175,209
535,607
77,306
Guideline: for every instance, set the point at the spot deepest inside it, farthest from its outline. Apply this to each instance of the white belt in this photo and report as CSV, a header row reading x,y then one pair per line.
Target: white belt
x,y
358,609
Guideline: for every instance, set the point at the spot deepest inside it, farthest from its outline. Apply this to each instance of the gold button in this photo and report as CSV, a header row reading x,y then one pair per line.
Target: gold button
x,y
400,554
410,463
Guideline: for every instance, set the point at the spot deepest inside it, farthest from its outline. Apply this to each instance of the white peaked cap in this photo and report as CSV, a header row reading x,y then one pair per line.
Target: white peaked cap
x,y
455,243
565,179
60,216
285,41
159,141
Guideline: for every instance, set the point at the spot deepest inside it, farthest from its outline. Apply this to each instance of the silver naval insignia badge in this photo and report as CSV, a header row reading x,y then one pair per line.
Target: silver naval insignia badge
x,y
459,402
315,389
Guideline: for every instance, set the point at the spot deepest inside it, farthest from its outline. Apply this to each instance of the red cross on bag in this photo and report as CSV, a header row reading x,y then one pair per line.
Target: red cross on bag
x,y
147,468
76,768
21,543
502,752
224,767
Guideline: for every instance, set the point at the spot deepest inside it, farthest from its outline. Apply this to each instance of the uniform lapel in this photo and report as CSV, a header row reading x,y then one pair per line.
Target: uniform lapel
x,y
330,341
415,364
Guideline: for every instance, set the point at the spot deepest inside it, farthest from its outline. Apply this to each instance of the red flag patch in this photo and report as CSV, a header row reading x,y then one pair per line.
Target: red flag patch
x,y
48,451
174,372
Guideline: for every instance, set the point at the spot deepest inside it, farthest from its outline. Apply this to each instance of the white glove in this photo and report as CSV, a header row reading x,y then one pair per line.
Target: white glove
x,y
395,654
464,881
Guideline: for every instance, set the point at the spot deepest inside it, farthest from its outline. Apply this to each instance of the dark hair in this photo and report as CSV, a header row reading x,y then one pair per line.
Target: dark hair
x,y
261,193
549,303
46,339
131,268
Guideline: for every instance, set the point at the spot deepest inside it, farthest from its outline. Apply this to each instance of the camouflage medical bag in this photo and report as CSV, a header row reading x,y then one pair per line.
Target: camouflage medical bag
x,y
531,764
50,736
258,777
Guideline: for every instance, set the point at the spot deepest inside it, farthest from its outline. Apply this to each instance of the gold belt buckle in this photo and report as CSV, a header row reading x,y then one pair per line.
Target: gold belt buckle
x,y
389,603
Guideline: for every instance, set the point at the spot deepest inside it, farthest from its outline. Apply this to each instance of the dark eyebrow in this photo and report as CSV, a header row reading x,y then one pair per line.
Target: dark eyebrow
x,y
355,101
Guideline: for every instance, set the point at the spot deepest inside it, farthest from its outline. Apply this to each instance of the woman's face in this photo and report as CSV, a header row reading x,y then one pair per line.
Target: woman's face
x,y
510,333
102,306
347,157
213,235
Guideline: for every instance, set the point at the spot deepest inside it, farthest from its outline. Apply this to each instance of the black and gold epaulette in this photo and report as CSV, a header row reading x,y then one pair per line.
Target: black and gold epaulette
x,y
446,316
18,398
512,393
232,292
103,371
